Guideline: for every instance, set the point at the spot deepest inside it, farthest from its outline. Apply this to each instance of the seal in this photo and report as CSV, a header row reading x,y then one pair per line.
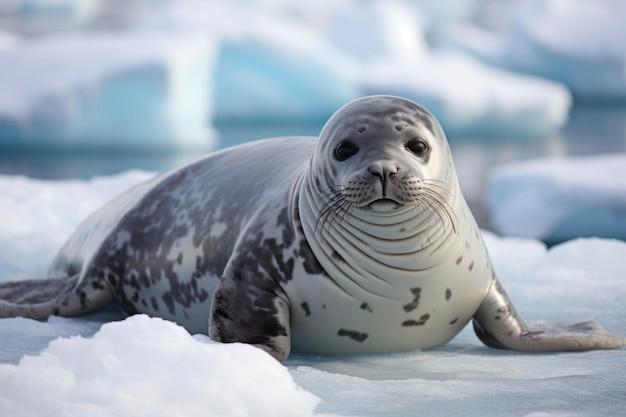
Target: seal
x,y
357,242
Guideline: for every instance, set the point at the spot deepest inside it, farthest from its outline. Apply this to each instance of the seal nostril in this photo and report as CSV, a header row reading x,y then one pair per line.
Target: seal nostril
x,y
383,170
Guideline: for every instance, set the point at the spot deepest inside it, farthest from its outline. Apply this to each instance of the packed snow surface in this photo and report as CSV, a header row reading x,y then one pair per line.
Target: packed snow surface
x,y
142,366
560,199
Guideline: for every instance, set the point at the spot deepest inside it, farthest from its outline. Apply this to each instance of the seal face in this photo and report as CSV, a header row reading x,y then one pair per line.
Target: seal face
x,y
357,242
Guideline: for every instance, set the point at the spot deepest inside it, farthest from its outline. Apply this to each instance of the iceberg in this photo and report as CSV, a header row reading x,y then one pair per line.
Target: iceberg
x,y
577,43
180,67
270,66
560,199
467,96
140,366
107,92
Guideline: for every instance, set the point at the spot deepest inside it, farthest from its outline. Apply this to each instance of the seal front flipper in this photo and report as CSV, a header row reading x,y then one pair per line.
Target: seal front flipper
x,y
498,325
40,298
250,307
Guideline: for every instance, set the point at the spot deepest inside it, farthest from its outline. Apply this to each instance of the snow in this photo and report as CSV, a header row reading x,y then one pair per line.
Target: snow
x,y
559,199
142,366
147,367
578,43
180,66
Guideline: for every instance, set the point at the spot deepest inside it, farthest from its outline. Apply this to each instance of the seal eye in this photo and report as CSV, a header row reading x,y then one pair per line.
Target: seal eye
x,y
417,147
345,150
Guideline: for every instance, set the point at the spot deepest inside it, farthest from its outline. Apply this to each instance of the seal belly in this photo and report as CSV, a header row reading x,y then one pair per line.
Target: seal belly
x,y
431,312
427,310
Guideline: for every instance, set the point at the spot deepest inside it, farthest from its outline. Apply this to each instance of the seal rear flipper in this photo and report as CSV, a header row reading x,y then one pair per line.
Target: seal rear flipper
x,y
497,325
40,298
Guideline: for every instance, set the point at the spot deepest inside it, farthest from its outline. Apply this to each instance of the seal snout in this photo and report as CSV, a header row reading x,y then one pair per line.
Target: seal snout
x,y
384,170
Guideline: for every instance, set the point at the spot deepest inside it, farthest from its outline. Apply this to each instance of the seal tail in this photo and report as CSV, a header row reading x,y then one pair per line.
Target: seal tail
x,y
40,298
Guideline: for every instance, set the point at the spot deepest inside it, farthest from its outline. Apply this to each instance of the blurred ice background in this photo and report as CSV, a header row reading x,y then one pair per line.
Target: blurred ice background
x,y
96,95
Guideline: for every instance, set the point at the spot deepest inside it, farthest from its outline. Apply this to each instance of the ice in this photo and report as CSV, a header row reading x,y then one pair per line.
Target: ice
x,y
580,44
107,91
142,366
467,96
180,66
269,67
560,199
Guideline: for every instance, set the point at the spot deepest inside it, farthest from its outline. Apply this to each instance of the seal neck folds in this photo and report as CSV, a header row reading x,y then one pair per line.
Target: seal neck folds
x,y
382,244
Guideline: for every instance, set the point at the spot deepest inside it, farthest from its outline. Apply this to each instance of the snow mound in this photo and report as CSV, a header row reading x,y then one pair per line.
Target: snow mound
x,y
150,367
560,199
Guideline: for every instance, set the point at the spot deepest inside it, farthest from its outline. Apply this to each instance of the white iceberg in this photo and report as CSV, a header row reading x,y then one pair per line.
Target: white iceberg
x,y
560,199
270,65
578,43
107,91
467,96
150,367
181,66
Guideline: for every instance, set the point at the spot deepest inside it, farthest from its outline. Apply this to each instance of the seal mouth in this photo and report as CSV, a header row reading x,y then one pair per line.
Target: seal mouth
x,y
384,204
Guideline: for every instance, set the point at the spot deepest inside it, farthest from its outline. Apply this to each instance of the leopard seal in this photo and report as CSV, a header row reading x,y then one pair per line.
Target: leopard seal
x,y
357,242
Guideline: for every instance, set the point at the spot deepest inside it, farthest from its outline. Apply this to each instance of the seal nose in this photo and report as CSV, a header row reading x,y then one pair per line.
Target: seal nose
x,y
383,170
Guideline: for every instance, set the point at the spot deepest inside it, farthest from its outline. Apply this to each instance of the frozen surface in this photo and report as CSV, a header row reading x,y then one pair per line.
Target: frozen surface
x,y
578,43
148,367
560,199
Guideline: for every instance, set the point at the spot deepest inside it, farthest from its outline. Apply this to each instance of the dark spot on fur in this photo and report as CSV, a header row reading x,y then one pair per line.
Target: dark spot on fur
x,y
353,334
454,321
310,262
366,307
459,260
336,257
448,294
422,321
471,266
306,309
416,291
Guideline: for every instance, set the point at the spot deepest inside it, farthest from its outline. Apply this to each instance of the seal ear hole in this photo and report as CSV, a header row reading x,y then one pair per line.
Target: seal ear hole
x,y
417,147
345,150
